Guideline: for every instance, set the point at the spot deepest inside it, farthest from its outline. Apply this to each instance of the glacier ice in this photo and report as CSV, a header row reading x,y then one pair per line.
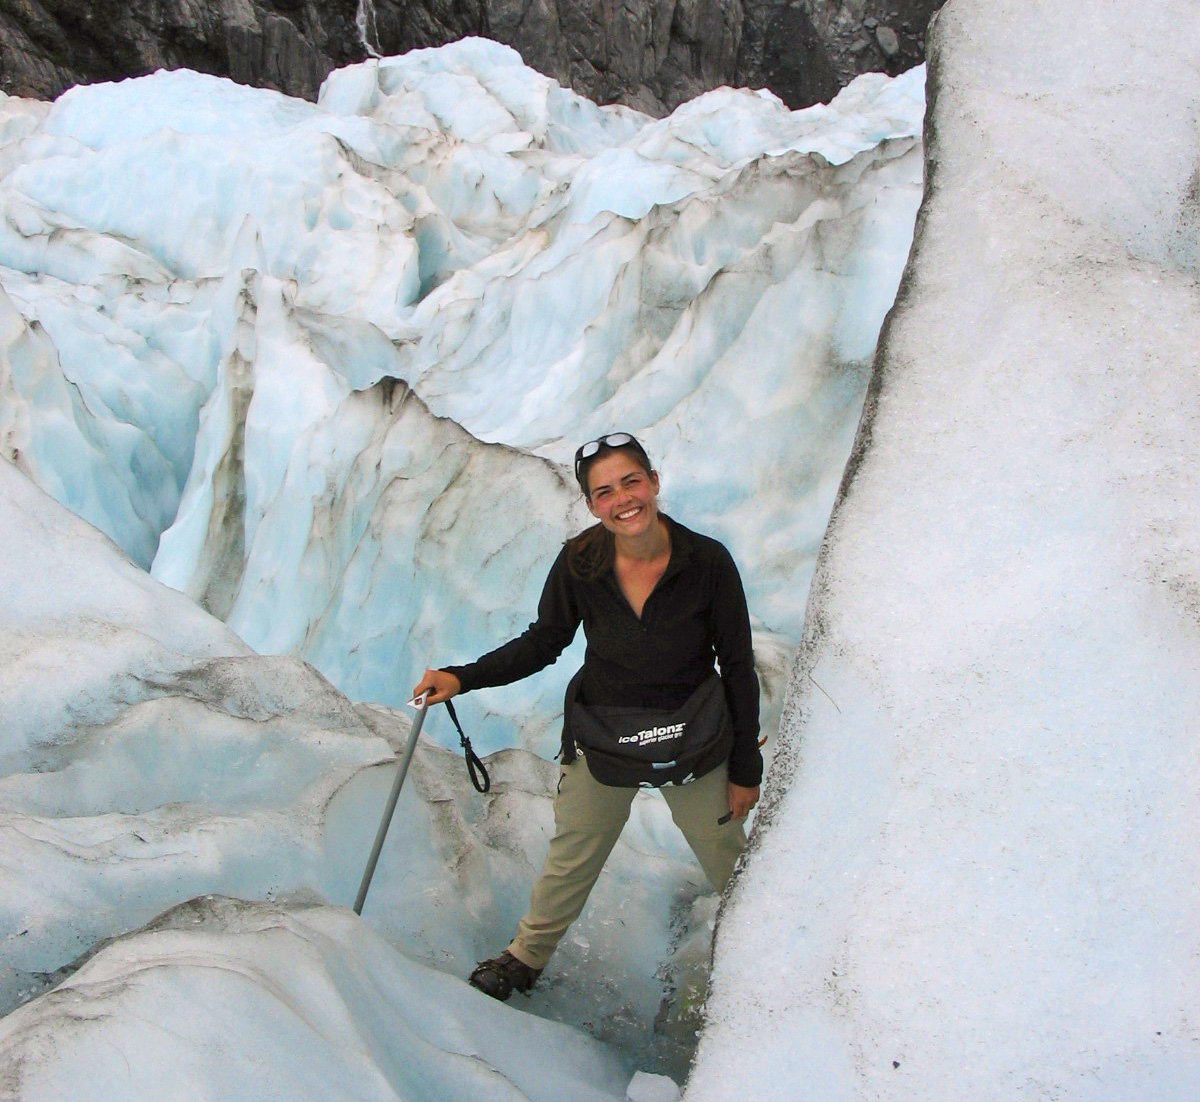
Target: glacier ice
x,y
321,367
284,351
303,357
150,758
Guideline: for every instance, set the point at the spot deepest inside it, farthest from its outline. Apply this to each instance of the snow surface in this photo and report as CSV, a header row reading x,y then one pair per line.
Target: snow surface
x,y
227,999
979,876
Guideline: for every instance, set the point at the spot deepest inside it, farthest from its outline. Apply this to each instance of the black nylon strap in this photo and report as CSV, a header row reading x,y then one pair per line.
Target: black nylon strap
x,y
475,767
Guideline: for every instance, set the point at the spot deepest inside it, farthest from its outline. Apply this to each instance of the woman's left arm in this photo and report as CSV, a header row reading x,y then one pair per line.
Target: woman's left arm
x,y
730,620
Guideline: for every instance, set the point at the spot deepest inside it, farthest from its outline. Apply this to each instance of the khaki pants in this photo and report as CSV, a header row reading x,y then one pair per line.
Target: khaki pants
x,y
588,817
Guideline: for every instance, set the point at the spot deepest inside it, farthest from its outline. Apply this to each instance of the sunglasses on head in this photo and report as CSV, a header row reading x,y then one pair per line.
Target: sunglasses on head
x,y
609,440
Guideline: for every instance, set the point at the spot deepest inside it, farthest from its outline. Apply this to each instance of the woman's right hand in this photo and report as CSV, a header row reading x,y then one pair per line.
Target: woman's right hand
x,y
440,686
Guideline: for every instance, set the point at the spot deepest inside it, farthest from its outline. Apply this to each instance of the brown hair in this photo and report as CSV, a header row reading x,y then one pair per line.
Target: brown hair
x,y
593,551
591,554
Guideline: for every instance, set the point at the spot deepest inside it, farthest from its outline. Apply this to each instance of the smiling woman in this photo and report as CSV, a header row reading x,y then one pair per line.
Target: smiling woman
x,y
662,608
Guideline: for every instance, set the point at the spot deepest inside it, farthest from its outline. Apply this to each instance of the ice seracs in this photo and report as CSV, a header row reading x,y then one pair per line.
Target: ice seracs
x,y
304,293
284,349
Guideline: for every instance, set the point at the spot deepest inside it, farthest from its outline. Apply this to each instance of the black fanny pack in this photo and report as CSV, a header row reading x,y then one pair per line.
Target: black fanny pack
x,y
649,747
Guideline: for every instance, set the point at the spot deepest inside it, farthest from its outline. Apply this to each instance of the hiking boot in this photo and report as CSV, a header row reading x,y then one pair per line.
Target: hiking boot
x,y
502,975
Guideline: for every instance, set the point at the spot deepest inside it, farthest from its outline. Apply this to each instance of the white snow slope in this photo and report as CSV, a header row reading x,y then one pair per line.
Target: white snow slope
x,y
979,876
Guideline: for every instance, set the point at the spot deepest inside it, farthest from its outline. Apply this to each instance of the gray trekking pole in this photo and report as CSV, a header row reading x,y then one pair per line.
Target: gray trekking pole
x,y
398,784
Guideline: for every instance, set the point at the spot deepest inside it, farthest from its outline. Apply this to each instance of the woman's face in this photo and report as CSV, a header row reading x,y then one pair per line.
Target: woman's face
x,y
622,495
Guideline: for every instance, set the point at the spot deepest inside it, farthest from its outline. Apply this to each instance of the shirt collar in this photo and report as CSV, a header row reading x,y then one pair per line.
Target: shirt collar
x,y
682,543
681,547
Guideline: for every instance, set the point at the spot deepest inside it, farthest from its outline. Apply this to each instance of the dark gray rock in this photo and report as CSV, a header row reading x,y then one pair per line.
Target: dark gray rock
x,y
781,50
848,31
887,40
650,54
48,45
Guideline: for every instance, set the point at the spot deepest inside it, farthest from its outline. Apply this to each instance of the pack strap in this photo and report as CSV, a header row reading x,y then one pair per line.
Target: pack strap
x,y
476,768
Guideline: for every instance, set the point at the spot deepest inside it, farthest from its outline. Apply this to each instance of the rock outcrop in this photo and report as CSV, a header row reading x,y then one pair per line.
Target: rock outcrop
x,y
653,55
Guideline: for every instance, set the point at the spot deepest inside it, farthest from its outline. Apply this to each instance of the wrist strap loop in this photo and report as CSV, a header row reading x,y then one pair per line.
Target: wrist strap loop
x,y
475,768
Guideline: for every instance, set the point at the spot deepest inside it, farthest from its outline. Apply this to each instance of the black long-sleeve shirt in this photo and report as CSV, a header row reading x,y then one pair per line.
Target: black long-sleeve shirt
x,y
695,616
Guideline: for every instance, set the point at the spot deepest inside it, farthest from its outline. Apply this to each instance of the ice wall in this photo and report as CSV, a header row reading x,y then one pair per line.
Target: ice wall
x,y
979,872
324,365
